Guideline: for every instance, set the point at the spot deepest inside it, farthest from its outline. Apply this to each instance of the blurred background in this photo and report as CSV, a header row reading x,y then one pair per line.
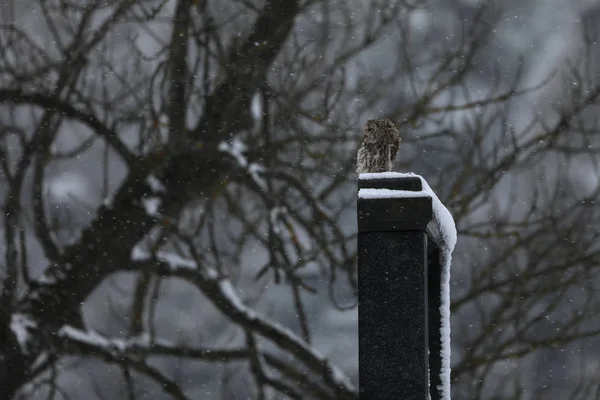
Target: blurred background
x,y
179,195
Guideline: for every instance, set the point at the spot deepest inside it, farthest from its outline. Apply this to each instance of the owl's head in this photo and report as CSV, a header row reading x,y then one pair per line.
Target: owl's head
x,y
381,125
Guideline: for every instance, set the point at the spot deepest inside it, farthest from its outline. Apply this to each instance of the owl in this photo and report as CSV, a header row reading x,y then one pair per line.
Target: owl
x,y
379,147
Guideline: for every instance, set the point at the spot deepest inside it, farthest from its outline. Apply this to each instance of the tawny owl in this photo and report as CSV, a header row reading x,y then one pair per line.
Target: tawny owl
x,y
380,146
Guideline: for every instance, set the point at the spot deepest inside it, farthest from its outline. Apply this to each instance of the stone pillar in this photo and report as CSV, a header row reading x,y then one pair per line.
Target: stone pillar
x,y
393,326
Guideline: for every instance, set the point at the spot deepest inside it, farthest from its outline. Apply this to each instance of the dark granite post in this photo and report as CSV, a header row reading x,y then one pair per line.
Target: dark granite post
x,y
393,293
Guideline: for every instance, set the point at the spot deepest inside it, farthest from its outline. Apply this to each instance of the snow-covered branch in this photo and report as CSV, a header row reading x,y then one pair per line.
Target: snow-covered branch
x,y
77,342
236,149
224,296
21,325
142,345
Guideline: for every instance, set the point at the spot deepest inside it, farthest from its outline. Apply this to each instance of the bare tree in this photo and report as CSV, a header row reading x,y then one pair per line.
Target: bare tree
x,y
178,193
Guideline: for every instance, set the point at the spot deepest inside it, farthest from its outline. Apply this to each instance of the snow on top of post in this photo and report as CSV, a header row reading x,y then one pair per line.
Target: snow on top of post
x,y
383,175
443,228
368,193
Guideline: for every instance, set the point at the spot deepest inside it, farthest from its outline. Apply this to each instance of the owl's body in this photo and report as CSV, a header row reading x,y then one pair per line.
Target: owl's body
x,y
379,148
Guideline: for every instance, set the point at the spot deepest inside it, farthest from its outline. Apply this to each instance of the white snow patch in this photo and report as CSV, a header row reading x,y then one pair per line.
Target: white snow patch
x,y
389,194
138,254
20,324
151,205
46,279
141,342
173,260
382,175
443,229
176,261
236,149
446,352
274,215
40,359
90,337
228,291
256,107
255,170
155,184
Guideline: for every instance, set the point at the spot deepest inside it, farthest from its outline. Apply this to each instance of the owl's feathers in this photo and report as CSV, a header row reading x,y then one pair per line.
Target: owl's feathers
x,y
379,148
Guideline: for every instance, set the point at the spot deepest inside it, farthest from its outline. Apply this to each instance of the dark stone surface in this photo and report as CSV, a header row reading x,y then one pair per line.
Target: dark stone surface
x,y
408,183
389,214
393,337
